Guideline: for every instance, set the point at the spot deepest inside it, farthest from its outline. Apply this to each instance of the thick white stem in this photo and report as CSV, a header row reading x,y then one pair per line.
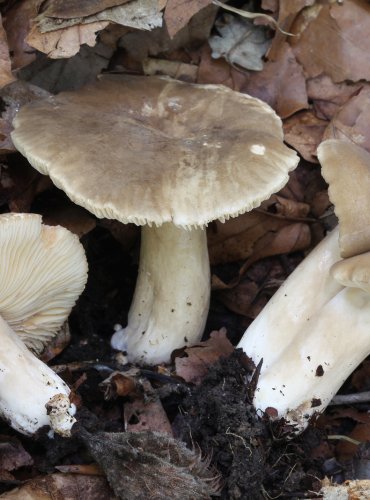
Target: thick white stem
x,y
171,299
316,363
304,293
27,385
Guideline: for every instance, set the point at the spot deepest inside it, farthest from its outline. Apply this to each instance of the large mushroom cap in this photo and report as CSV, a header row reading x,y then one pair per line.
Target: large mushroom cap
x,y
346,168
43,270
154,150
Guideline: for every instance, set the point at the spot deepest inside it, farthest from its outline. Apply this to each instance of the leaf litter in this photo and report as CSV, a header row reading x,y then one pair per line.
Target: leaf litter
x,y
317,81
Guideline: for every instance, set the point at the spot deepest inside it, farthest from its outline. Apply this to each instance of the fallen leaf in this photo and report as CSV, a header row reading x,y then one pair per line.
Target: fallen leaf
x,y
146,416
87,469
218,71
138,14
63,486
179,12
240,298
66,9
6,75
334,40
327,96
64,43
281,83
304,131
64,213
12,454
288,12
352,121
240,42
17,25
201,356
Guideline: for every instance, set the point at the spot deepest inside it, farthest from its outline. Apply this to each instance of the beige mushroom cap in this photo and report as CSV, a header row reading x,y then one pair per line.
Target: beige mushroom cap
x,y
43,270
346,168
154,150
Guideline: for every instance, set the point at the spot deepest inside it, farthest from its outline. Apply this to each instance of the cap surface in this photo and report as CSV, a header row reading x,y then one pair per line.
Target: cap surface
x,y
346,168
43,270
154,150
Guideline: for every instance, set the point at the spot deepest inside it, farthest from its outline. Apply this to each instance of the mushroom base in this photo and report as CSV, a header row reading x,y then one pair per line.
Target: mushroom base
x,y
171,300
27,385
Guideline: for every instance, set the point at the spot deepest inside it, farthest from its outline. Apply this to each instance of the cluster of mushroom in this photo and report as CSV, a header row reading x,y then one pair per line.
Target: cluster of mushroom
x,y
316,328
169,156
43,270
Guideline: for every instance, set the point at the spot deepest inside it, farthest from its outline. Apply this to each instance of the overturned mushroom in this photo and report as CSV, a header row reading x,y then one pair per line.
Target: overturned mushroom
x,y
169,156
43,270
315,330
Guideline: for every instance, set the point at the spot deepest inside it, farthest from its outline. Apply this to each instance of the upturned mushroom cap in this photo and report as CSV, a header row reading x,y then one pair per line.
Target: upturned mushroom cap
x,y
154,150
346,168
43,270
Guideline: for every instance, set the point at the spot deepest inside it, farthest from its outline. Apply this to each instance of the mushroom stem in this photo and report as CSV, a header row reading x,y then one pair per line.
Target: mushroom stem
x,y
302,295
171,299
27,385
313,367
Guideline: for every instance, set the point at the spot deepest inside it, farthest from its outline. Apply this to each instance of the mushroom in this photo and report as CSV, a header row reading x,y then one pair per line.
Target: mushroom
x,y
169,156
315,330
43,270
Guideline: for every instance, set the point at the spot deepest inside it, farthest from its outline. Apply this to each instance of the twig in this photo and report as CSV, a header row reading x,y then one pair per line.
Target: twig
x,y
251,15
350,399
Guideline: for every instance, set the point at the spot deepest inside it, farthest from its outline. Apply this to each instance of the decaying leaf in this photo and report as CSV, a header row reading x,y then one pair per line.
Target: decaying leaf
x,y
151,465
201,356
64,43
281,83
240,42
17,25
138,14
352,121
67,9
333,39
219,71
64,213
62,486
304,132
6,75
12,454
327,97
179,12
142,416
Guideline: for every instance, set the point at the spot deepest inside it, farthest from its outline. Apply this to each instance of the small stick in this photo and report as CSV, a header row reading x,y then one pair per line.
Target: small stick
x,y
350,399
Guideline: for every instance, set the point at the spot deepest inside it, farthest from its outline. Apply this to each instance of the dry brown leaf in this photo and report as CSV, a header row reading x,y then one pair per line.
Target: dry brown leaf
x,y
285,207
88,469
12,454
281,83
240,298
122,384
334,40
66,486
218,71
304,131
6,75
352,121
327,97
201,356
65,42
17,26
179,12
66,9
146,416
288,12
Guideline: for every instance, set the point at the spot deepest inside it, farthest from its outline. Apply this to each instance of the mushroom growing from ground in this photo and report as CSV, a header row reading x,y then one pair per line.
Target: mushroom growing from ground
x,y
315,330
171,157
43,270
